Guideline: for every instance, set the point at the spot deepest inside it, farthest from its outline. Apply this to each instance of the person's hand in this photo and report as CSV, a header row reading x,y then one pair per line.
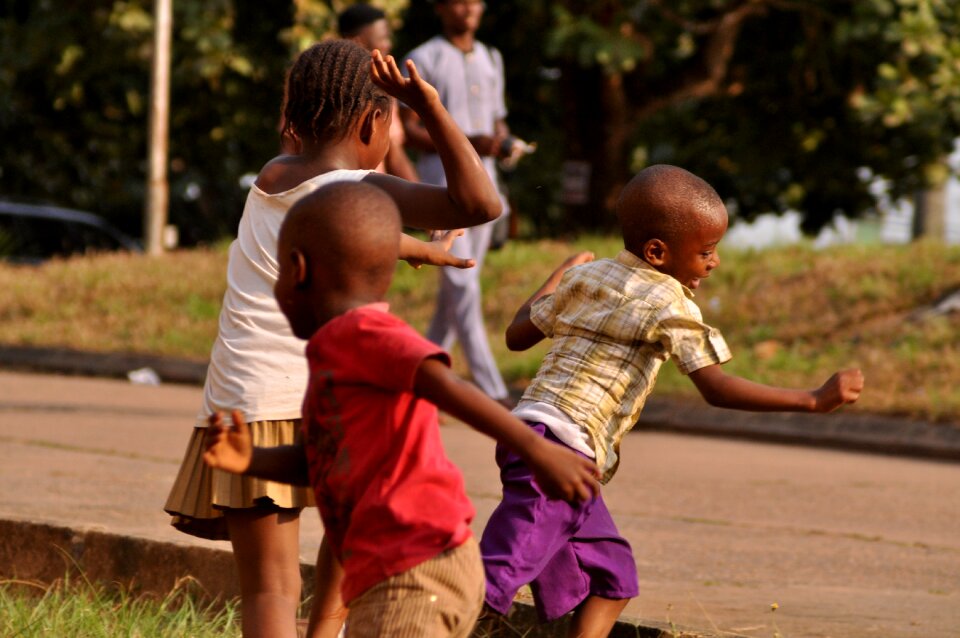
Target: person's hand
x,y
563,474
414,91
512,149
228,448
842,388
437,251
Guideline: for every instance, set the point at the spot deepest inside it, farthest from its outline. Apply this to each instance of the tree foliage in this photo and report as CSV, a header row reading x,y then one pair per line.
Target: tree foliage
x,y
781,104
75,87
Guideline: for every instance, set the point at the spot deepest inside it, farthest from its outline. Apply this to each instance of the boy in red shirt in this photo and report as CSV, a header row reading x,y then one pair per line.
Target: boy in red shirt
x,y
394,508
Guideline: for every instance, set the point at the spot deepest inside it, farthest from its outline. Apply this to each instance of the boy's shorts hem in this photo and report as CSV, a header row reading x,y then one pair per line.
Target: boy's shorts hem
x,y
200,495
439,598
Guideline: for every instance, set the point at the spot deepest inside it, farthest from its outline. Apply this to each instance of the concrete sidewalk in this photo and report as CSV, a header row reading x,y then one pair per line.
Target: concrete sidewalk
x,y
849,430
847,544
86,465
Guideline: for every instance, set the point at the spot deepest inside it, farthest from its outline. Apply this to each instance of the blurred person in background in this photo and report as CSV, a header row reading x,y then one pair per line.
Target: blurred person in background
x,y
469,77
367,26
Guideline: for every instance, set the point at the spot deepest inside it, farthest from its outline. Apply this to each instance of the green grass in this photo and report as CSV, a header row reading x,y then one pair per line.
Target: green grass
x,y
791,316
84,609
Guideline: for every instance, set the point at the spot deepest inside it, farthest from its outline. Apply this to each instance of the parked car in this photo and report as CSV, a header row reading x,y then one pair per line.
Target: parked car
x,y
30,233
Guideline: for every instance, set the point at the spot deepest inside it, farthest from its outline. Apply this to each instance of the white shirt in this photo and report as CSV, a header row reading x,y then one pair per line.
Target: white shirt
x,y
257,365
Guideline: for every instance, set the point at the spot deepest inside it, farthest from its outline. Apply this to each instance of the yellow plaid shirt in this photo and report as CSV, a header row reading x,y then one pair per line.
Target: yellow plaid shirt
x,y
613,323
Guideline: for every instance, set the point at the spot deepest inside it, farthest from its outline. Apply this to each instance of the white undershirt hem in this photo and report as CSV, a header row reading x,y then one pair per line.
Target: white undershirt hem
x,y
559,423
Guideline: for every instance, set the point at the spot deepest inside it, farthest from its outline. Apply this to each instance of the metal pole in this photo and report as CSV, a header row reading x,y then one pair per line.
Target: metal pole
x,y
155,208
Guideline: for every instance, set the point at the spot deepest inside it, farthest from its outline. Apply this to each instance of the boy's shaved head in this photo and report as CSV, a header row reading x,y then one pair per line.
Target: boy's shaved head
x,y
665,202
350,229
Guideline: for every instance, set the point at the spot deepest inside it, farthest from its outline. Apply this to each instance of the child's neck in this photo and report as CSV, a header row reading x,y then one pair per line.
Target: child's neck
x,y
330,157
289,171
639,255
337,305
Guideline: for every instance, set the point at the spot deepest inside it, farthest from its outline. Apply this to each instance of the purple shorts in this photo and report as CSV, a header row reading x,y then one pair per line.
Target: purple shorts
x,y
565,552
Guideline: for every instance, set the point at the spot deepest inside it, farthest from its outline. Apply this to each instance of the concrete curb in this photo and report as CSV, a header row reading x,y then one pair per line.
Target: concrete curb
x,y
44,553
100,364
843,430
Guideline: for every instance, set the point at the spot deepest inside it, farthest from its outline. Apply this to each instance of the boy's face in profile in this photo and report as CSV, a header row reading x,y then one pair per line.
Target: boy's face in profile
x,y
691,256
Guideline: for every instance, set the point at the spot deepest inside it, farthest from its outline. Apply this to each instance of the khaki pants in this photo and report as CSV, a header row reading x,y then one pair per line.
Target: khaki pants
x,y
440,598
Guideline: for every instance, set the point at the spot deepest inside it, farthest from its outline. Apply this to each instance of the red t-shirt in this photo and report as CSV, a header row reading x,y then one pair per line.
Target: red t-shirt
x,y
388,496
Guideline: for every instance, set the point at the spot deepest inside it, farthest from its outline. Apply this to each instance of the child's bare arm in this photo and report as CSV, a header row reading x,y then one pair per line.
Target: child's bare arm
x,y
521,333
231,449
559,472
469,197
433,253
327,611
728,391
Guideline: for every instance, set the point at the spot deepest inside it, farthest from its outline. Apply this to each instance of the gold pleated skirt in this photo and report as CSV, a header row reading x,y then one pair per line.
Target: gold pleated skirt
x,y
200,494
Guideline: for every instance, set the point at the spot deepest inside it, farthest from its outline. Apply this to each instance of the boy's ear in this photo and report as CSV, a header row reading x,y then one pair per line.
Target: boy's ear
x,y
301,270
655,252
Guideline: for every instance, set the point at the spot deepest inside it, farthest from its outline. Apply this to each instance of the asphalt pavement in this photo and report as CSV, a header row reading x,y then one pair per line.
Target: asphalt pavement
x,y
750,537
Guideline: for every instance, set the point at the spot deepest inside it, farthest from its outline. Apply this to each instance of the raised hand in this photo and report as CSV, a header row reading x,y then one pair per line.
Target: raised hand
x,y
414,91
228,448
842,388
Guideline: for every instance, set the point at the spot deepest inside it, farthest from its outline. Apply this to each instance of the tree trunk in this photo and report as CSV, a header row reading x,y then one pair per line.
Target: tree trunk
x,y
930,213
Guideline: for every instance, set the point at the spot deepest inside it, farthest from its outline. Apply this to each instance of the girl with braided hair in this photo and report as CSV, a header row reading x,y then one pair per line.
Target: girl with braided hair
x,y
337,106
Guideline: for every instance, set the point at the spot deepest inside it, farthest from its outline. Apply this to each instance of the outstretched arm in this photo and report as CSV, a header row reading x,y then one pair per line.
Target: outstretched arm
x,y
559,472
435,252
230,448
469,198
521,333
728,391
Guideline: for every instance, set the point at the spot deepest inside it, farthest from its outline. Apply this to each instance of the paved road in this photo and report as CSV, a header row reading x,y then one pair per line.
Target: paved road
x,y
847,544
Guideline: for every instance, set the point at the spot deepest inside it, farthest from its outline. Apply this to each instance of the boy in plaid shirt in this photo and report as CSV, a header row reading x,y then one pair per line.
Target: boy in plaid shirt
x,y
614,322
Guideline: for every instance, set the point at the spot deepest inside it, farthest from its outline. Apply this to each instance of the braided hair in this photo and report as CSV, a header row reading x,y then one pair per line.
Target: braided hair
x,y
328,88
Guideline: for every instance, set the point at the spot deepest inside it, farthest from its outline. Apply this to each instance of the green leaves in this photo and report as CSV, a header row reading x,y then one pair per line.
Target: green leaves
x,y
613,46
778,104
75,82
919,81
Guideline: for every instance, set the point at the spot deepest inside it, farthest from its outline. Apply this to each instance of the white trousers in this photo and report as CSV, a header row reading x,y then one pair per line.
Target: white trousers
x,y
459,313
